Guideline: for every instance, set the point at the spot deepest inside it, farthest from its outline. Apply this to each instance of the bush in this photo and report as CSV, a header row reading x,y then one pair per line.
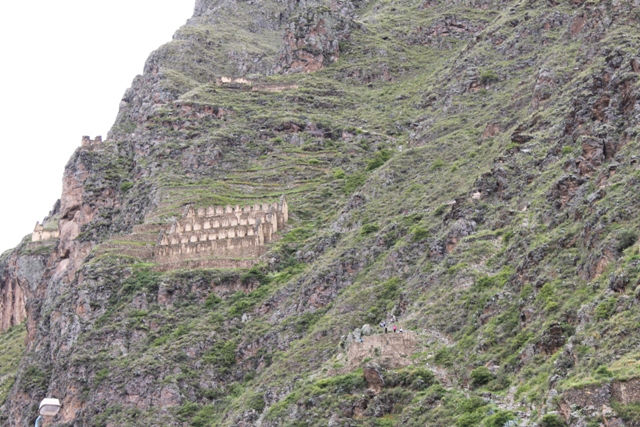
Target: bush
x,y
126,186
444,357
212,300
552,420
471,404
480,376
437,164
417,379
419,234
222,354
629,413
469,420
369,228
256,402
626,239
143,279
187,410
488,77
353,182
255,273
343,384
605,309
101,375
34,379
380,158
440,210
384,422
203,417
306,321
499,419
339,174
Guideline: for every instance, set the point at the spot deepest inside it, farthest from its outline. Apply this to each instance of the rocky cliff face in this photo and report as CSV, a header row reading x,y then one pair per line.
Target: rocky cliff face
x,y
465,170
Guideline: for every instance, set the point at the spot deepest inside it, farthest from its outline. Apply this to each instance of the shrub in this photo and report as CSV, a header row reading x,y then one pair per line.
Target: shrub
x,y
339,174
307,320
629,413
419,234
440,210
256,402
126,186
437,164
506,237
501,382
603,371
187,410
480,376
380,158
471,404
101,375
255,273
343,384
552,420
369,228
240,307
34,379
416,379
444,357
626,239
567,149
222,354
499,419
605,309
203,417
488,77
353,182
143,279
499,280
212,300
469,420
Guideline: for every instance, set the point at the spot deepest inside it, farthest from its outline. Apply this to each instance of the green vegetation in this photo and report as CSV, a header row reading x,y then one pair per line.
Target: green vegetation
x,y
552,420
441,180
126,186
380,158
11,349
481,376
488,76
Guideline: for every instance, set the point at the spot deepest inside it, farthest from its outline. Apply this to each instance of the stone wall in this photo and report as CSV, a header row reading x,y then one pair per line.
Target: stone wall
x,y
40,233
88,142
390,350
222,232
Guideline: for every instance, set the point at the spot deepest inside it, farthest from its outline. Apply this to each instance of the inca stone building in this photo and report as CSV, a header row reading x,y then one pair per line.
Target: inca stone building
x,y
222,232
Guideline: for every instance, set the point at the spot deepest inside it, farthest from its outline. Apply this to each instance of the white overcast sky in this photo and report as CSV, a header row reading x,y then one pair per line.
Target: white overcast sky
x,y
64,66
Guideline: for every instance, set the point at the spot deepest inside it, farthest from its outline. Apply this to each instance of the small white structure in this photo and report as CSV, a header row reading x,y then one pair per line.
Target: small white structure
x,y
49,407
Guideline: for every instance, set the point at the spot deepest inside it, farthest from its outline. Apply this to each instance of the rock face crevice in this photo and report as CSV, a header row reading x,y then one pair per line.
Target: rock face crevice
x,y
12,305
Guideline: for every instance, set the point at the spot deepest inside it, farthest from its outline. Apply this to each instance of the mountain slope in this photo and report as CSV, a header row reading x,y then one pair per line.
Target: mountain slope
x,y
466,168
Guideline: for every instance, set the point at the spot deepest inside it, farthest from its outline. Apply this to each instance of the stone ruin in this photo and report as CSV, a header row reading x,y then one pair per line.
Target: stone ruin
x,y
88,142
222,232
40,233
245,84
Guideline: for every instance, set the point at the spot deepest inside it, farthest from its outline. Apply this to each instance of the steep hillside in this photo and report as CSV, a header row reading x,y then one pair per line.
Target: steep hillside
x,y
466,171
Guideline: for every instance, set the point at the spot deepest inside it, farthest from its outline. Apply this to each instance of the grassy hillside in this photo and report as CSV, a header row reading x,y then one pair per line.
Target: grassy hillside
x,y
467,168
11,349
